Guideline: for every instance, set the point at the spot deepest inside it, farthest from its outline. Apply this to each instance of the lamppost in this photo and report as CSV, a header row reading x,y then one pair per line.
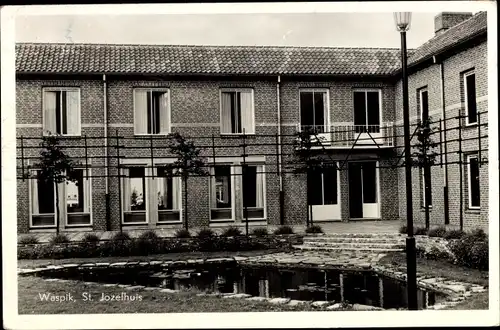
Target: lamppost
x,y
403,20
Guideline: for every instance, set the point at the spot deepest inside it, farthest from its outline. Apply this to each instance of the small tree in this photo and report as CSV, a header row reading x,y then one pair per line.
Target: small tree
x,y
189,162
424,157
54,166
307,161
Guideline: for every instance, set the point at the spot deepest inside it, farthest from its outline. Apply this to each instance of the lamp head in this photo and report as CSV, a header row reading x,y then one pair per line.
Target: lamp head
x,y
403,21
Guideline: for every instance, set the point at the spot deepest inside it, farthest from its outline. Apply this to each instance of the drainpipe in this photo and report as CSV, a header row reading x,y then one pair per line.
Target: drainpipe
x,y
106,160
445,149
280,157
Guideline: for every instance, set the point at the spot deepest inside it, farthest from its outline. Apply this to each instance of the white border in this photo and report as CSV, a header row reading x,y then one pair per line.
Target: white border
x,y
231,320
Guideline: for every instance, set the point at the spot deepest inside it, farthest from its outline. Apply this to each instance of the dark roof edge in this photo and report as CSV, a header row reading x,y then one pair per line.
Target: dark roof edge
x,y
445,50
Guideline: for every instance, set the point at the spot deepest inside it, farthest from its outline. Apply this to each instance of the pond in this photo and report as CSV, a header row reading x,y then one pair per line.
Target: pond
x,y
310,284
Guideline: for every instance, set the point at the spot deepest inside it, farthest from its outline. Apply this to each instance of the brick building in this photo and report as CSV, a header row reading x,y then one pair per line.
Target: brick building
x,y
116,102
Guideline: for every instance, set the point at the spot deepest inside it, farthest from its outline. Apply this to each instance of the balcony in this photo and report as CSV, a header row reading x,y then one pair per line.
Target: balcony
x,y
340,136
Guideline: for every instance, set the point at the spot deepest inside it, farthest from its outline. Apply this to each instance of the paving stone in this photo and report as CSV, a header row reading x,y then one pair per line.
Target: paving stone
x,y
110,284
152,288
88,265
296,302
118,264
169,291
89,283
155,262
102,264
51,280
123,285
144,263
279,301
360,307
132,263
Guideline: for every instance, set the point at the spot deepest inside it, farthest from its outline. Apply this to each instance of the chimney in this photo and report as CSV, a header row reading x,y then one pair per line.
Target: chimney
x,y
446,20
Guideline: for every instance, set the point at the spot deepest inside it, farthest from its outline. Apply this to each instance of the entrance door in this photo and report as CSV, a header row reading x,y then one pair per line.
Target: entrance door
x,y
323,194
363,190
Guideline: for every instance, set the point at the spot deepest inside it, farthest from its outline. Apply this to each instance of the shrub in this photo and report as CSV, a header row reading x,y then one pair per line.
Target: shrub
x,y
437,232
315,229
454,234
470,252
260,232
435,253
420,231
206,233
478,234
121,236
283,230
149,235
403,229
90,238
29,239
59,239
182,233
119,245
147,243
231,231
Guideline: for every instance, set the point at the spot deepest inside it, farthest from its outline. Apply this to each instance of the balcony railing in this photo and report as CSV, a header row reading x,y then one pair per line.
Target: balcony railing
x,y
345,136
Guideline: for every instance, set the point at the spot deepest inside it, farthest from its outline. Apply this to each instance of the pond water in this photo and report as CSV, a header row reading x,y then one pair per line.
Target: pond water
x,y
361,287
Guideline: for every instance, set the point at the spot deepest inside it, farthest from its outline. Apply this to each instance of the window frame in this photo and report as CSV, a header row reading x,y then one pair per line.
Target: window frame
x,y
180,188
469,177
89,178
326,114
422,187
147,170
264,191
380,99
153,89
420,103
466,98
237,89
334,166
232,170
62,89
31,182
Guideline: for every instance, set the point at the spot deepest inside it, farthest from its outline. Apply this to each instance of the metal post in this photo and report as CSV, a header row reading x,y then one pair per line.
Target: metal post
x,y
22,158
278,172
480,159
119,179
411,262
243,170
461,215
86,157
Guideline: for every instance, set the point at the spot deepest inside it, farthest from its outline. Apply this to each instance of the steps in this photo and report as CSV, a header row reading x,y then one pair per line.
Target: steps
x,y
354,242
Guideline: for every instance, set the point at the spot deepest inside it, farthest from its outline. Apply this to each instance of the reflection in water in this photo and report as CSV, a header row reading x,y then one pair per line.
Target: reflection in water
x,y
361,287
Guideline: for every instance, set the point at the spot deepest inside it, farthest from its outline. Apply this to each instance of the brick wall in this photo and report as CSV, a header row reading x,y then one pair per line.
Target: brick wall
x,y
454,66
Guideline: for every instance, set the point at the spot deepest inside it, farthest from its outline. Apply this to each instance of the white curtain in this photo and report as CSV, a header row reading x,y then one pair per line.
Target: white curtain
x,y
34,195
226,113
86,194
260,187
213,189
49,112
247,115
73,112
126,189
164,114
176,193
326,112
151,195
140,111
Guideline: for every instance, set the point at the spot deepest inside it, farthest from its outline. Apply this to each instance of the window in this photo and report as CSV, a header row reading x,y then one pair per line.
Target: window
x,y
134,199
221,195
473,182
168,187
151,111
314,114
43,203
78,199
237,111
367,111
323,187
61,111
424,104
470,98
253,191
370,178
425,199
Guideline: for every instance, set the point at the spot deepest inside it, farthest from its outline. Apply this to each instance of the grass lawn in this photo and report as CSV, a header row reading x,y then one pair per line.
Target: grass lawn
x,y
445,269
33,263
31,287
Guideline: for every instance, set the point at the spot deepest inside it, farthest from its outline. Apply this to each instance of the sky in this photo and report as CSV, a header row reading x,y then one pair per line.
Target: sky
x,y
290,29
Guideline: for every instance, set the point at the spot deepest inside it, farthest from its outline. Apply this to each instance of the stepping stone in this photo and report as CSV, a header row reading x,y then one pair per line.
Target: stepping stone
x,y
237,295
118,264
89,283
319,303
256,298
151,288
135,287
155,262
110,285
123,285
70,265
296,302
169,291
102,264
279,301
51,280
360,307
335,306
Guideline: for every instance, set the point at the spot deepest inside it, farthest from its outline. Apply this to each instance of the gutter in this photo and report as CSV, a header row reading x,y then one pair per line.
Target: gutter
x,y
106,160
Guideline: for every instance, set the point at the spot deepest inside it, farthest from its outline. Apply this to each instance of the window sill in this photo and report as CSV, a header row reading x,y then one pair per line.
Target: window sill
x,y
173,222
151,135
471,125
79,225
237,135
473,211
135,223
